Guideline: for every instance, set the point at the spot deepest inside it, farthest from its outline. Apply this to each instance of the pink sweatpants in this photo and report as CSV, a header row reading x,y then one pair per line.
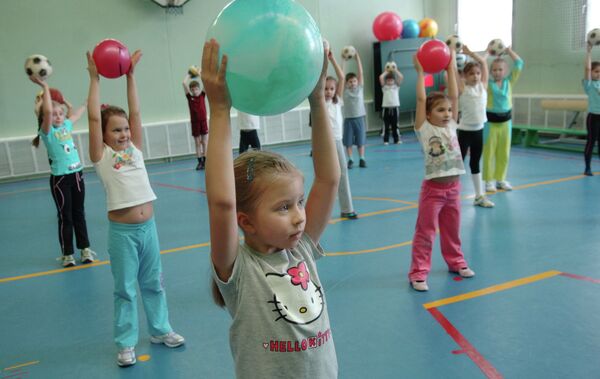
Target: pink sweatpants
x,y
439,206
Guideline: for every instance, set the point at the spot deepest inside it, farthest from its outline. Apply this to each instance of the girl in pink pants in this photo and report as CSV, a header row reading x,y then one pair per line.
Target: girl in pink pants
x,y
439,201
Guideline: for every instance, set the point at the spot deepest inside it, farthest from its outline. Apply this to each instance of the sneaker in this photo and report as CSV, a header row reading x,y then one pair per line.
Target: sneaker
x,y
349,215
362,163
126,357
67,260
419,285
588,172
386,143
483,202
490,187
88,255
398,142
350,163
466,272
170,339
504,185
199,166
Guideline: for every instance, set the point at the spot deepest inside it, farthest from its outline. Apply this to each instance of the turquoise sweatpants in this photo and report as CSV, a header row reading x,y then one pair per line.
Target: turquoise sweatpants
x,y
135,259
496,150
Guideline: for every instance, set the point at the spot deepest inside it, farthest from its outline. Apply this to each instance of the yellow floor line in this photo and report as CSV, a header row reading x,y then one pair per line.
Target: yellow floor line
x,y
22,365
369,250
492,289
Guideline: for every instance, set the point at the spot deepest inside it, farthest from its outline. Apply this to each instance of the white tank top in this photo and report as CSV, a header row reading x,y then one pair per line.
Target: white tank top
x,y
472,105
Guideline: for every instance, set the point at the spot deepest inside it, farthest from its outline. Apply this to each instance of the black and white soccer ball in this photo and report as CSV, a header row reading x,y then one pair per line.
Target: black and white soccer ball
x,y
454,43
593,37
496,47
39,66
348,52
391,66
194,71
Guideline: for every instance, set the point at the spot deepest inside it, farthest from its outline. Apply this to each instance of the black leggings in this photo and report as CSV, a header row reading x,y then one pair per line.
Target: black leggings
x,y
68,192
471,140
390,121
249,138
593,135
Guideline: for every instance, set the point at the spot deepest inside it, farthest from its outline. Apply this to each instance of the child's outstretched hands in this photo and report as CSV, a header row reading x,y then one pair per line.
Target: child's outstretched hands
x,y
92,69
319,91
38,81
213,77
135,58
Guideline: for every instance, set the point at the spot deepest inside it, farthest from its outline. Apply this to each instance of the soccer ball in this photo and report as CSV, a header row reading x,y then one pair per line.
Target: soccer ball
x,y
193,71
390,66
454,43
348,52
593,37
496,47
39,66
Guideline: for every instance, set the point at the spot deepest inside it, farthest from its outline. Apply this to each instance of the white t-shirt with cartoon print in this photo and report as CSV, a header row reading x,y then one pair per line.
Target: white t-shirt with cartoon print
x,y
441,149
280,324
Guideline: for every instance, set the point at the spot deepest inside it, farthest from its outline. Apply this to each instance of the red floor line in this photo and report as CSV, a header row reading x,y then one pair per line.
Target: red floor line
x,y
179,187
579,277
486,367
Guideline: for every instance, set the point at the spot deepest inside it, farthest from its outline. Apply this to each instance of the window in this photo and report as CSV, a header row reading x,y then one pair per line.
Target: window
x,y
592,19
477,31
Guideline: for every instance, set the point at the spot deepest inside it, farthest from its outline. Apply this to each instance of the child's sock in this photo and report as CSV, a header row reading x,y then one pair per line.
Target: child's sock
x,y
477,184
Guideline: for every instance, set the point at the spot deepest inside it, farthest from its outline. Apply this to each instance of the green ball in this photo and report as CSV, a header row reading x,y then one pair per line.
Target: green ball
x,y
275,54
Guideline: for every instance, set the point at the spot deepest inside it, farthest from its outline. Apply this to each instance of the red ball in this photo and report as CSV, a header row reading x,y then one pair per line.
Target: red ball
x,y
112,58
387,26
57,96
434,56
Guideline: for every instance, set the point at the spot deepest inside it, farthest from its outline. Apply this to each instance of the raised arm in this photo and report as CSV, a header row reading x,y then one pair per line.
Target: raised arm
x,y
420,114
74,114
359,74
327,169
220,182
514,56
382,78
339,91
481,59
46,109
135,119
452,86
398,77
186,79
587,64
96,141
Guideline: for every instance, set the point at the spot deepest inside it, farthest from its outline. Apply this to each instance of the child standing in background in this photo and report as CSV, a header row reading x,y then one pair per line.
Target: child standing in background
x,y
249,125
196,102
66,179
333,98
115,148
269,282
496,149
390,81
439,201
591,85
355,123
472,100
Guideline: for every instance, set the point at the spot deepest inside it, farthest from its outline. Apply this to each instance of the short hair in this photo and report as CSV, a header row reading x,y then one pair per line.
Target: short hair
x,y
350,75
194,83
389,76
470,66
595,64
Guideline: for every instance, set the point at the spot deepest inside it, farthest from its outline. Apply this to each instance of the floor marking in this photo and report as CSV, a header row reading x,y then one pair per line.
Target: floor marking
x,y
143,358
492,289
22,365
384,199
486,367
178,187
579,277
368,250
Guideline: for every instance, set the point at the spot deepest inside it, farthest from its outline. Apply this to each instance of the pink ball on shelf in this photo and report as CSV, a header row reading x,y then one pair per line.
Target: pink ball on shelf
x,y
112,58
387,26
434,56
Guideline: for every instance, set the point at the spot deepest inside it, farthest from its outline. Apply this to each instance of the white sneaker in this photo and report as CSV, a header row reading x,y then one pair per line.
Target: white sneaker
x,y
504,185
386,143
466,272
483,202
490,187
88,255
126,357
67,260
170,339
419,285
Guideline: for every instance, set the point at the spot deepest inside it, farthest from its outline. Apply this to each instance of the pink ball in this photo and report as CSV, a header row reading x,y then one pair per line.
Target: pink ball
x,y
434,56
112,58
387,26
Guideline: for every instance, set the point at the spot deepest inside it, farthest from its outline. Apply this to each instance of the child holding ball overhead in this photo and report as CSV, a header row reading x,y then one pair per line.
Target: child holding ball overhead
x,y
496,149
591,85
439,201
269,282
196,102
66,179
355,114
115,149
390,80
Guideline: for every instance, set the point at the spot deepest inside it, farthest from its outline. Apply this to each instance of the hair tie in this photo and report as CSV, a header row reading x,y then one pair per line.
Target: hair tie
x,y
104,106
250,170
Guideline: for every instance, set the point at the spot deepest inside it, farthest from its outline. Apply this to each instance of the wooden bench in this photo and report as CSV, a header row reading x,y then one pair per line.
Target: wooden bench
x,y
530,135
